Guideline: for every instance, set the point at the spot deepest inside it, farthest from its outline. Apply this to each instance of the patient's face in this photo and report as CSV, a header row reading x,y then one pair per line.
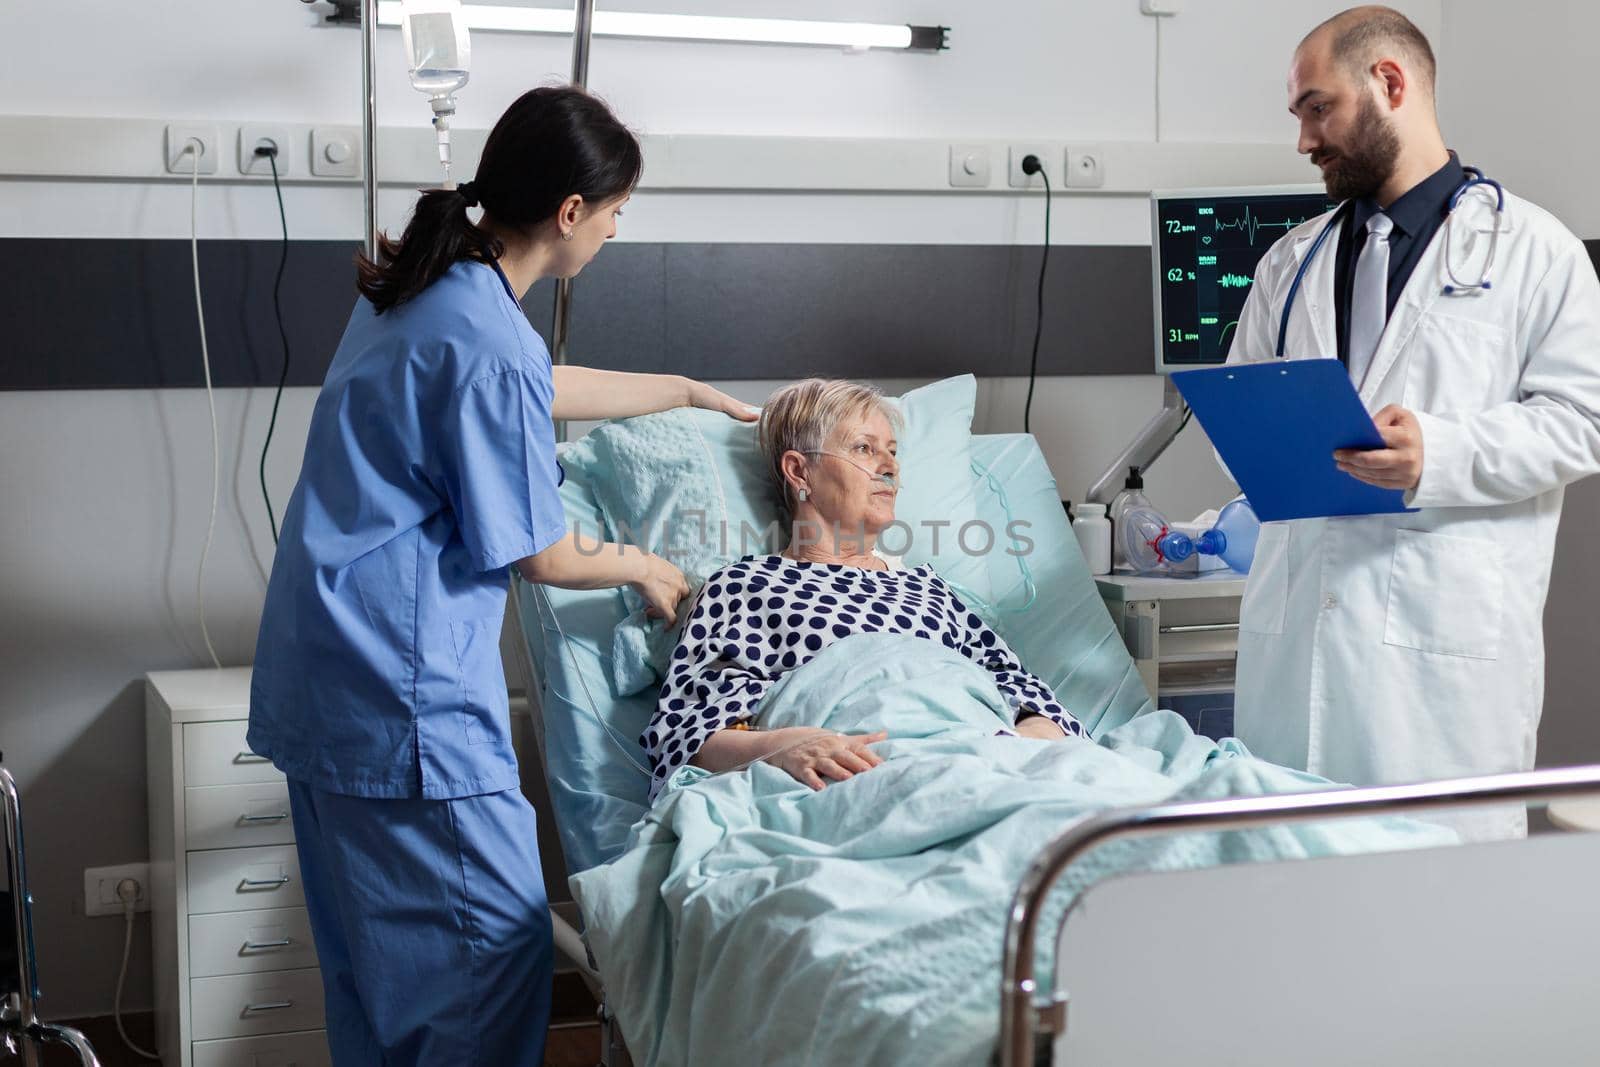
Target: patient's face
x,y
846,485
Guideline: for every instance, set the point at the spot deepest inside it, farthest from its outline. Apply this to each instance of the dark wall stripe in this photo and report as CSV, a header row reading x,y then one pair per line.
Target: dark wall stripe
x,y
95,314
98,314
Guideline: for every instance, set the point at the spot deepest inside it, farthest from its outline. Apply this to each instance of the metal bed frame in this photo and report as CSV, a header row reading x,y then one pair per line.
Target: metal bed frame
x,y
21,1032
568,939
1027,1025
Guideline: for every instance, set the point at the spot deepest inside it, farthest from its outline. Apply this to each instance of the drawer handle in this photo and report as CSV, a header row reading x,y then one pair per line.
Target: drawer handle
x,y
264,883
1202,628
262,946
250,757
282,815
271,1005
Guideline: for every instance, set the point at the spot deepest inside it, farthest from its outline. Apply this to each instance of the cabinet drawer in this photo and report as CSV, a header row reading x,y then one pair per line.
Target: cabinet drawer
x,y
306,1049
240,879
214,753
231,816
242,1005
243,942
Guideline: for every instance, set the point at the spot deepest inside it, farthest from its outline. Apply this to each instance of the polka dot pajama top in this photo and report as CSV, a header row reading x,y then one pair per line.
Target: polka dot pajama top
x,y
763,616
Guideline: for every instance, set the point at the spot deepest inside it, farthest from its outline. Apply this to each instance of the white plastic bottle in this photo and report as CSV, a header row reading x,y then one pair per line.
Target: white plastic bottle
x,y
1094,537
1131,495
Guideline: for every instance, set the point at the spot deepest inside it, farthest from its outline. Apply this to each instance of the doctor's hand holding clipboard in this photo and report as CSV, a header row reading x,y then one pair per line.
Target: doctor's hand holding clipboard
x,y
1398,465
1297,439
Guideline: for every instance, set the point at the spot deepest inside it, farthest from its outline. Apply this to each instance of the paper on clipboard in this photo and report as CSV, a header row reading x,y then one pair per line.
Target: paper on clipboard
x,y
1276,426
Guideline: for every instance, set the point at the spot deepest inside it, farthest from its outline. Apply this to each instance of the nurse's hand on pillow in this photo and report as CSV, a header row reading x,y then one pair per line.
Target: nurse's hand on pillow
x,y
1398,466
584,393
1032,724
702,395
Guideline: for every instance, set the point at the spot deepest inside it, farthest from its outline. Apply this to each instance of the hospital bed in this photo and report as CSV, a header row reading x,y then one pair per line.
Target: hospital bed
x,y
1493,945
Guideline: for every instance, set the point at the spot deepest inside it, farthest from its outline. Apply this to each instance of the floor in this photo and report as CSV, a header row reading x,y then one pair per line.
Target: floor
x,y
573,1041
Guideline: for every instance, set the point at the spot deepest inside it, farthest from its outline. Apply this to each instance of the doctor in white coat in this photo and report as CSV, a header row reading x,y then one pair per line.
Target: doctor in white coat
x,y
1405,647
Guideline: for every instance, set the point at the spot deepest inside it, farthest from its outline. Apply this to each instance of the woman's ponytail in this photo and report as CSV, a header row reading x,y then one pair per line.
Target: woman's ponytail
x,y
438,235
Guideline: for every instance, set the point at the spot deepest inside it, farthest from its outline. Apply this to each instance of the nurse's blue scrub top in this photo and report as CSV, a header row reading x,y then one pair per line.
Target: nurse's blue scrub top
x,y
429,469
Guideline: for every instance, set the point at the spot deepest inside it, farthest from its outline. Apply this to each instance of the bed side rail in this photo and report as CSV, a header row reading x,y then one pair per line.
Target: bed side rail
x,y
1023,1019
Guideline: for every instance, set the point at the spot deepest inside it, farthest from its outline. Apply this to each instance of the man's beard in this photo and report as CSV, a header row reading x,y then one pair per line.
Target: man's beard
x,y
1361,168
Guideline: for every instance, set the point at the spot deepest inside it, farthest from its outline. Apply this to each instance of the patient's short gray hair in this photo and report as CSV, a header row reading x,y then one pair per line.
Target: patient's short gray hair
x,y
803,416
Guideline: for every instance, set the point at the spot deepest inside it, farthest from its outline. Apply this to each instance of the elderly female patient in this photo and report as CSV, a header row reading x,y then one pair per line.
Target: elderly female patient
x,y
832,450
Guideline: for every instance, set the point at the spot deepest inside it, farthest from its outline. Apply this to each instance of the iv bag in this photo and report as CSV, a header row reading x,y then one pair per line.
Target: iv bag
x,y
438,52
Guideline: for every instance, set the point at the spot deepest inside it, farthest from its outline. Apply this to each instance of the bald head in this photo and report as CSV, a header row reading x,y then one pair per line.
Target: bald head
x,y
1357,39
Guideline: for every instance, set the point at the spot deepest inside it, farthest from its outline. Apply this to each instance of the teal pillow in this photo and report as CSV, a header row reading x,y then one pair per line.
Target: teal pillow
x,y
693,487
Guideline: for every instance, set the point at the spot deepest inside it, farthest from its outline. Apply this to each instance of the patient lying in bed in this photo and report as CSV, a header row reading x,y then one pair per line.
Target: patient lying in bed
x,y
864,874
832,451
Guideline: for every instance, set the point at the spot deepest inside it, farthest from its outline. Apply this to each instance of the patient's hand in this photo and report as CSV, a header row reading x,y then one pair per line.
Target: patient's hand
x,y
1032,724
828,755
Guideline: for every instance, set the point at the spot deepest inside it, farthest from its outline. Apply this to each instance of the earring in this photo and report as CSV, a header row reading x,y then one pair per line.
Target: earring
x,y
567,235
803,494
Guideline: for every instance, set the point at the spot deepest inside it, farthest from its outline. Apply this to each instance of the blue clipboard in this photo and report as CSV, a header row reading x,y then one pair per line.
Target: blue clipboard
x,y
1276,425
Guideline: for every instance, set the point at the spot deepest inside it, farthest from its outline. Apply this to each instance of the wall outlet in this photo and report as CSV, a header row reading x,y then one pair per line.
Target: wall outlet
x,y
1086,166
336,152
1020,180
253,135
969,166
179,137
100,888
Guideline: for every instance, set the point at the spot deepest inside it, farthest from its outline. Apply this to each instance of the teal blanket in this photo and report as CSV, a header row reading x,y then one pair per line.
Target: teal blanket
x,y
752,920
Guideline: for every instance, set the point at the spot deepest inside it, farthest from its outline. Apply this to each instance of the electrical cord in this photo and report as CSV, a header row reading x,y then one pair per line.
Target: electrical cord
x,y
1032,165
196,147
271,155
129,897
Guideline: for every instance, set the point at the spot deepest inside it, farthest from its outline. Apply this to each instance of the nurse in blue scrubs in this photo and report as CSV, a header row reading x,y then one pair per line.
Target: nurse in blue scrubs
x,y
378,690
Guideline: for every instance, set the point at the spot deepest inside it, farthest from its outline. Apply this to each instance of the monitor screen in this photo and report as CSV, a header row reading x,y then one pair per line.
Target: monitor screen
x,y
1204,247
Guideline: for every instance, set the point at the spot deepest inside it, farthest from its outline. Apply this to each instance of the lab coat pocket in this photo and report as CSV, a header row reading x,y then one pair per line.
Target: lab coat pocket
x,y
485,718
1266,592
1460,363
1446,595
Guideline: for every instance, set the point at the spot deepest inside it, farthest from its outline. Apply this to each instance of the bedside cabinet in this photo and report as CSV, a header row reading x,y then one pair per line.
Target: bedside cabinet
x,y
236,979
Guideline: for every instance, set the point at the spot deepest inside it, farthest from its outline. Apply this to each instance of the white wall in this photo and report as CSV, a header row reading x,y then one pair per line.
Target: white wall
x,y
1516,95
103,495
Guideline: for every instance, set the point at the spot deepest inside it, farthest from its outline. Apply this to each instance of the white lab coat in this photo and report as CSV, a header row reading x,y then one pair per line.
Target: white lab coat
x,y
1395,648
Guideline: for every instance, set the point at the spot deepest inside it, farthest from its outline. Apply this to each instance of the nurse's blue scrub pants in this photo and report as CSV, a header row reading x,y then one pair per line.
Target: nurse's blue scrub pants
x,y
431,926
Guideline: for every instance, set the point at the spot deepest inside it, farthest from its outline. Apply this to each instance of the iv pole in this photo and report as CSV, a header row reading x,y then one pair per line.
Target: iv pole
x,y
582,32
369,126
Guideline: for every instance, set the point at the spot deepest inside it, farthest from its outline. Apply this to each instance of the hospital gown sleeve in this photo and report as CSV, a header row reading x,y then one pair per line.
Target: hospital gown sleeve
x,y
498,467
1550,436
710,683
1023,690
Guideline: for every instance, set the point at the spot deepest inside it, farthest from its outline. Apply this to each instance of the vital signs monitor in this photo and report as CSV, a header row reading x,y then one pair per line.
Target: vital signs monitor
x,y
1204,246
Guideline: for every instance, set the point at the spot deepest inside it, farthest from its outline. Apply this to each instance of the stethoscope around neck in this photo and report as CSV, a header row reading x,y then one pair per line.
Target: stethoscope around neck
x,y
1453,287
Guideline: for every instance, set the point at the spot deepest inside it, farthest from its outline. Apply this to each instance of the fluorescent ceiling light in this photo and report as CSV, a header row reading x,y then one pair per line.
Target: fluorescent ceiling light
x,y
853,35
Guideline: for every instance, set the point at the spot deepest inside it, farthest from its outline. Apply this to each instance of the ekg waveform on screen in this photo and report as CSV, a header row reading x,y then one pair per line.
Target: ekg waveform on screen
x,y
1250,224
1206,248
